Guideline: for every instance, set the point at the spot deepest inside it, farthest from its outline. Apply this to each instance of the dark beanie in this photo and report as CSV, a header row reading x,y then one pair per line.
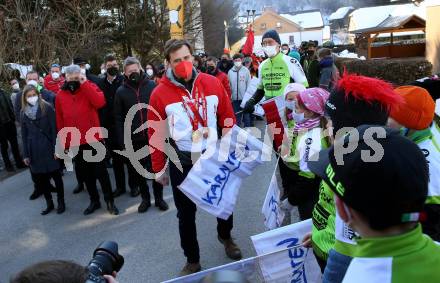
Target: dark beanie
x,y
272,34
358,100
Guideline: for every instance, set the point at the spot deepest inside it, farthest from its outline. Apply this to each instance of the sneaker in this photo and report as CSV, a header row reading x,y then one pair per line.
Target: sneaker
x,y
190,268
231,248
144,206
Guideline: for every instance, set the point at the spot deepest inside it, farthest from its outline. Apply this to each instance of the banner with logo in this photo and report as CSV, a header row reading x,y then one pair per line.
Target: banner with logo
x,y
296,263
176,15
273,215
214,181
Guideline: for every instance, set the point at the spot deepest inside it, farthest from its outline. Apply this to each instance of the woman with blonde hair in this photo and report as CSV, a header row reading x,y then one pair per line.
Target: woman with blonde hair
x,y
39,139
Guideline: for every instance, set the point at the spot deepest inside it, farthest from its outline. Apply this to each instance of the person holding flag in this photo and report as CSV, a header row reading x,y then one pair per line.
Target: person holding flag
x,y
305,118
276,72
195,105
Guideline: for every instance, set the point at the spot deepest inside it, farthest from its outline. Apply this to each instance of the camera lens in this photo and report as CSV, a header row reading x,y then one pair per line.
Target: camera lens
x,y
106,260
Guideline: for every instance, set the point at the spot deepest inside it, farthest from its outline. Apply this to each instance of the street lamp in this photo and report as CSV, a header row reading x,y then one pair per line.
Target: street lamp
x,y
300,31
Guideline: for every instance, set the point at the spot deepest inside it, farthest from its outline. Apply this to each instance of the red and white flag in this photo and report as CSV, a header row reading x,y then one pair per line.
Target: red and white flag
x,y
274,110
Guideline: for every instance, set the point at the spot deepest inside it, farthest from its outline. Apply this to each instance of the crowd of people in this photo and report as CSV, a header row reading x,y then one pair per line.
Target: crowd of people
x,y
371,220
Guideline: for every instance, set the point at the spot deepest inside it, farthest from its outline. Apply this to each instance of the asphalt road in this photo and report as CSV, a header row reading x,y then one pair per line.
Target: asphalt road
x,y
149,242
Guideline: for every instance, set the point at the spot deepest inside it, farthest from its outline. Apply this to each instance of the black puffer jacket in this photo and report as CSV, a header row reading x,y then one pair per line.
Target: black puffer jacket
x,y
127,96
106,113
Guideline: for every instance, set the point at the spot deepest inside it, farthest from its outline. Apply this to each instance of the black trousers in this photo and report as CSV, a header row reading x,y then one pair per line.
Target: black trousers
x,y
42,181
186,213
301,191
8,136
89,172
137,180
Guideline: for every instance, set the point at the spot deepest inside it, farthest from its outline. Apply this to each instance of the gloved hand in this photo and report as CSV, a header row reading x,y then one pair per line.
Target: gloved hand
x,y
249,107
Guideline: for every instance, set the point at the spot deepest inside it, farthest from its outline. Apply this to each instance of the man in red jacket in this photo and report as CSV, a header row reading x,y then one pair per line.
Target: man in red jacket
x,y
54,81
77,106
194,104
212,69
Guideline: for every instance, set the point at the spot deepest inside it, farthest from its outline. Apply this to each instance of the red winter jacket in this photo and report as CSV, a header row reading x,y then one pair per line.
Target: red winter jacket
x,y
167,115
223,78
79,110
52,85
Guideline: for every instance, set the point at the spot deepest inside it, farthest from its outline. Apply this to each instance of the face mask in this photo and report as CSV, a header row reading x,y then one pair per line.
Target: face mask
x,y
290,105
211,70
102,71
135,77
33,83
83,71
87,66
72,86
112,71
285,51
270,51
298,117
15,86
238,64
32,100
310,52
55,75
150,72
184,70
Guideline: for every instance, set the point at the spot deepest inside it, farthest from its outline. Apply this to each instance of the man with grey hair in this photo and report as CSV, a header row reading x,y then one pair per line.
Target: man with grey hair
x,y
77,106
135,90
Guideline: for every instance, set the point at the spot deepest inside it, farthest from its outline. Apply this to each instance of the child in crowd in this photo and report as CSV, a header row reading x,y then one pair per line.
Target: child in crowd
x,y
414,118
382,202
355,100
305,115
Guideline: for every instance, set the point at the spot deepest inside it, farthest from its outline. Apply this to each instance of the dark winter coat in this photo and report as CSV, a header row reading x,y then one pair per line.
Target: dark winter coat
x,y
106,113
39,140
127,96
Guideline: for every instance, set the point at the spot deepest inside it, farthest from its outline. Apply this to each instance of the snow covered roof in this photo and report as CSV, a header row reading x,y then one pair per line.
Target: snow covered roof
x,y
340,13
369,17
306,20
393,22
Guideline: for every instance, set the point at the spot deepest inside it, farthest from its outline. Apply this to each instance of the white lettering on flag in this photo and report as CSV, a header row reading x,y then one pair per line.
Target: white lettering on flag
x,y
214,181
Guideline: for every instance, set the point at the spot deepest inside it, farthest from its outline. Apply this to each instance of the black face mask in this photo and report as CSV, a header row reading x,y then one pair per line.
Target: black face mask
x,y
134,78
112,71
72,86
310,52
211,70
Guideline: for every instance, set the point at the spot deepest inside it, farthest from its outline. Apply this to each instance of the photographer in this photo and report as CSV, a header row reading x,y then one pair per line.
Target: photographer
x,y
106,260
56,271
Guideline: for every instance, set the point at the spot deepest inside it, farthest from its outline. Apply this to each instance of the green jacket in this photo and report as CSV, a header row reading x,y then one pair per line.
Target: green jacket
x,y
277,72
410,257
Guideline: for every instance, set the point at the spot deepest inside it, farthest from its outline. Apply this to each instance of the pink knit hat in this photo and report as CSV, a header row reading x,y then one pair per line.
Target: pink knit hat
x,y
314,99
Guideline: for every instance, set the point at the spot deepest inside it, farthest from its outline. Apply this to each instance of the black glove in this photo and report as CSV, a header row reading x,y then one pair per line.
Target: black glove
x,y
249,107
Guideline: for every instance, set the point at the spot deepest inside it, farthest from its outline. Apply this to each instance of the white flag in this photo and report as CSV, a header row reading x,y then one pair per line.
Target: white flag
x,y
214,181
273,215
296,263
